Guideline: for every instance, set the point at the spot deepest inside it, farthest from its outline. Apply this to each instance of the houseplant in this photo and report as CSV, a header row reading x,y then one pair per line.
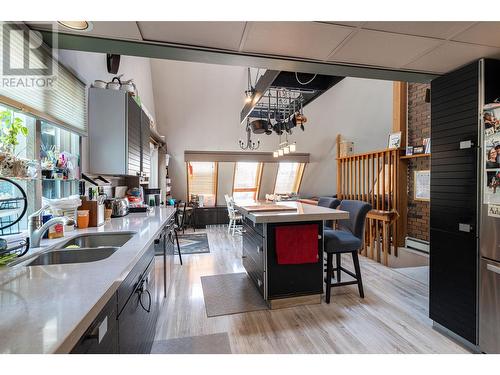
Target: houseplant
x,y
10,128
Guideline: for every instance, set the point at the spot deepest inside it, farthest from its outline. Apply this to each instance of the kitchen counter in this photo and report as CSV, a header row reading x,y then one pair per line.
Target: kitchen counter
x,y
303,212
46,309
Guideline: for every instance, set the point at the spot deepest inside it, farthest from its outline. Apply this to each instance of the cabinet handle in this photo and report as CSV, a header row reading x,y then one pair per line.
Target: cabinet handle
x,y
98,332
260,249
464,227
492,268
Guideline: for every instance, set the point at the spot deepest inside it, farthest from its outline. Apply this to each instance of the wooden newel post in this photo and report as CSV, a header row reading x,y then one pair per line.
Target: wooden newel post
x,y
399,123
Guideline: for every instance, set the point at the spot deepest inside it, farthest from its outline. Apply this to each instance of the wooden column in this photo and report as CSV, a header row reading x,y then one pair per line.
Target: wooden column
x,y
339,166
399,123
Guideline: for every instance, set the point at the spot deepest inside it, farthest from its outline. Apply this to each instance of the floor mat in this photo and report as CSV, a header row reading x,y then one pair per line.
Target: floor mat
x,y
217,343
192,243
230,293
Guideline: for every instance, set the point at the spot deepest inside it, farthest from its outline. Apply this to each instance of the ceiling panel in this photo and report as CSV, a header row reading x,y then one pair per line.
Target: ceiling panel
x,y
107,29
345,23
221,35
440,29
383,49
452,55
311,40
486,33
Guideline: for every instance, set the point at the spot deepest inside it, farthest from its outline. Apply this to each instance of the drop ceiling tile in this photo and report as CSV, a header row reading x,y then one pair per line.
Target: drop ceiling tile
x,y
485,33
451,55
346,23
221,35
382,49
311,40
432,29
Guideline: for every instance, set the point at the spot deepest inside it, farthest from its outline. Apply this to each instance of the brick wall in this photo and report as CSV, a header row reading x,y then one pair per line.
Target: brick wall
x,y
419,127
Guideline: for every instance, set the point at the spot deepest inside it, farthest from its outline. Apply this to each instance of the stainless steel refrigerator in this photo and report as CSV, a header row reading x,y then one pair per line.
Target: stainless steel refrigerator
x,y
489,237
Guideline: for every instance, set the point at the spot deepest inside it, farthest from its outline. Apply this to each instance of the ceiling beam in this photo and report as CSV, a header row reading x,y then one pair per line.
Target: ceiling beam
x,y
222,57
261,86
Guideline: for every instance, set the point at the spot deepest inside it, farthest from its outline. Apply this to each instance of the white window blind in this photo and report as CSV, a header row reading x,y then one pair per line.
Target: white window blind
x,y
202,180
64,104
288,178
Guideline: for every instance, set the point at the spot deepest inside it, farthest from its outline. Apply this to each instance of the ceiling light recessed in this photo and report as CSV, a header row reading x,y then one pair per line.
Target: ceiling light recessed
x,y
76,25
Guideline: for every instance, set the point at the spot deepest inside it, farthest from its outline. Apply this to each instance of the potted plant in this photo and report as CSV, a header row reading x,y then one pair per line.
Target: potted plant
x,y
11,127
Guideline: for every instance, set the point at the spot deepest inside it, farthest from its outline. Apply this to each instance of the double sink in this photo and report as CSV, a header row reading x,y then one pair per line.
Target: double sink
x,y
84,248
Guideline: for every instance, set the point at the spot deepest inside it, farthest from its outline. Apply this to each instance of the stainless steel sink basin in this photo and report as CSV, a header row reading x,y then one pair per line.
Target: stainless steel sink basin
x,y
98,240
65,256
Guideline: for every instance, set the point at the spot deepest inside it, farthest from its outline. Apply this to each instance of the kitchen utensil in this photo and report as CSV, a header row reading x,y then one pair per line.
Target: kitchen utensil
x,y
129,86
99,84
115,84
259,126
119,206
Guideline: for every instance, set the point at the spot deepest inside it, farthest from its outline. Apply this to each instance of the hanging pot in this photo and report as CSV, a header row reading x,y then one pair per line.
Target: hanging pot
x,y
259,126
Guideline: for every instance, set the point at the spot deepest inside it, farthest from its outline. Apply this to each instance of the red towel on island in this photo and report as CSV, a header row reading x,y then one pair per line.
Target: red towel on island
x,y
297,244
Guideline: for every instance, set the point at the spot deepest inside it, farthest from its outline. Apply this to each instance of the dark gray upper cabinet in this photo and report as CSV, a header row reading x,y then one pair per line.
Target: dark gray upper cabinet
x,y
118,134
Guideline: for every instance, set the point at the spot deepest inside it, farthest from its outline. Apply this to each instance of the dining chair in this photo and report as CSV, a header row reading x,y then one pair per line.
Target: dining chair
x,y
234,215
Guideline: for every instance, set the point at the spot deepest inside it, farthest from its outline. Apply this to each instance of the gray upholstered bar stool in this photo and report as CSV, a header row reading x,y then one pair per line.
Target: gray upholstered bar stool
x,y
348,238
328,202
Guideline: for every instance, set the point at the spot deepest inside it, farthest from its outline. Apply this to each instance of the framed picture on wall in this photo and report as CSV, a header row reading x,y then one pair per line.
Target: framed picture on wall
x,y
422,185
394,140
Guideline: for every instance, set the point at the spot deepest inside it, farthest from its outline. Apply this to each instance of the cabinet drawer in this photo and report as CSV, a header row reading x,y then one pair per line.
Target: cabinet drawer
x,y
255,273
254,247
102,335
257,228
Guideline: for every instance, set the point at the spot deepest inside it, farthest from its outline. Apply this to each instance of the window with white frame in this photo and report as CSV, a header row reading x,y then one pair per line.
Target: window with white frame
x,y
246,181
288,178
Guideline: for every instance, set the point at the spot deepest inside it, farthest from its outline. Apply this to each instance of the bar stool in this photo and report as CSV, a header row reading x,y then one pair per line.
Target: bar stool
x,y
328,202
347,239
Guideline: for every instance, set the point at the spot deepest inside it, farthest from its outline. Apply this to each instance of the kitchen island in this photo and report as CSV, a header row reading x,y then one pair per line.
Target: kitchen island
x,y
283,249
49,308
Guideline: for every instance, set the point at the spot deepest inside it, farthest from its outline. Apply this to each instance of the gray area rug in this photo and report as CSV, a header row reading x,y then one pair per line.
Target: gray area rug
x,y
192,243
230,293
217,343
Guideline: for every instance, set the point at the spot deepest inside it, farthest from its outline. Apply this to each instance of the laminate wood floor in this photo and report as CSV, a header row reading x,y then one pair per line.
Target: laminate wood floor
x,y
392,318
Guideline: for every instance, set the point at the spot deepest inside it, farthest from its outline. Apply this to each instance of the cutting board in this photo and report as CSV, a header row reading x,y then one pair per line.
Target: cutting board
x,y
268,208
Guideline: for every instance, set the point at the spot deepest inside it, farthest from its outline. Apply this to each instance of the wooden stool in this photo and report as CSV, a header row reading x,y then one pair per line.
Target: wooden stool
x,y
379,227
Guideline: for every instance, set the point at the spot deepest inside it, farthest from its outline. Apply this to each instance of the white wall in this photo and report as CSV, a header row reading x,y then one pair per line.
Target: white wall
x,y
89,66
360,110
198,108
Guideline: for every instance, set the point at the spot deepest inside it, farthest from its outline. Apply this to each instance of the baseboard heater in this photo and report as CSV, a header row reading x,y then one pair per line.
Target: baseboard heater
x,y
416,244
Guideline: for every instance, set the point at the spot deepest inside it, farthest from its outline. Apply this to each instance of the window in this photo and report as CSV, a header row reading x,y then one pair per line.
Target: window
x,y
202,181
57,141
288,178
246,181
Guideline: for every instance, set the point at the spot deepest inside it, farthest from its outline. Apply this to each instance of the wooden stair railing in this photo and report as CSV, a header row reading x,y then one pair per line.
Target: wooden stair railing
x,y
374,177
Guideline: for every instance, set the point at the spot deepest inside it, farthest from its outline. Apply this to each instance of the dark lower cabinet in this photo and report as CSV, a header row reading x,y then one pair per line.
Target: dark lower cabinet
x,y
128,321
102,335
137,320
211,216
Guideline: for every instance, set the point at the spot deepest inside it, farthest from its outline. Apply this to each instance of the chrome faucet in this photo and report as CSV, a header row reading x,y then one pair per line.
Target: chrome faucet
x,y
36,230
